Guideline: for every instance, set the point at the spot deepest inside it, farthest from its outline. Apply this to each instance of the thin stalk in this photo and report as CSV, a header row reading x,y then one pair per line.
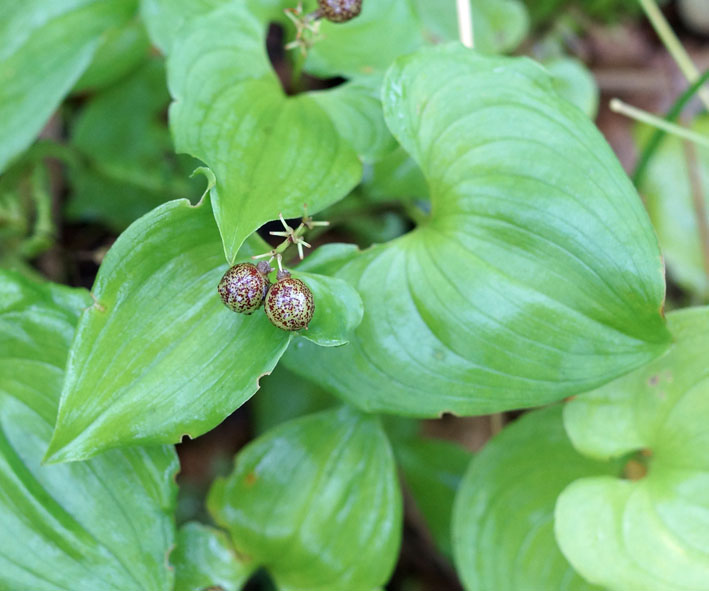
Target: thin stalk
x,y
465,23
656,139
673,45
619,106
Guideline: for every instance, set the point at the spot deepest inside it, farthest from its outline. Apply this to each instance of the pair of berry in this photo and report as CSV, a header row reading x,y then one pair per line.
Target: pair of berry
x,y
288,303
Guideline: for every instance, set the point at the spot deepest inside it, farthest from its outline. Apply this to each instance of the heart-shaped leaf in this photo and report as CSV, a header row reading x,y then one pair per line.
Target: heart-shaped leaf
x,y
503,520
367,45
270,153
666,186
316,502
537,275
158,355
205,559
165,18
433,469
650,531
103,524
46,46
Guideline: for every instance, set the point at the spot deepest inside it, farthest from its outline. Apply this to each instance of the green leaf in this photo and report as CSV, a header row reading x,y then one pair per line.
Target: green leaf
x,y
503,519
158,355
668,195
573,80
316,502
129,166
47,44
205,558
123,49
367,45
396,176
165,18
338,308
283,396
433,470
270,153
104,524
537,275
651,532
356,111
498,26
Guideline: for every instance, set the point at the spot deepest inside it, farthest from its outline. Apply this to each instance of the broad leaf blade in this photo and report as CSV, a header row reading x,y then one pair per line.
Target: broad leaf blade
x,y
433,470
538,274
204,558
270,153
316,502
47,45
503,520
106,523
652,532
367,45
121,134
158,355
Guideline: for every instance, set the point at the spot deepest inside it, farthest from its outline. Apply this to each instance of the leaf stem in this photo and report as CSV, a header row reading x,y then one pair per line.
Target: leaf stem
x,y
465,23
619,106
673,45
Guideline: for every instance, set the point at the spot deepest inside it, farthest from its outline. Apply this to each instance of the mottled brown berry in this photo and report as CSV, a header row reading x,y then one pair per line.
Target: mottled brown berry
x,y
243,287
339,11
289,303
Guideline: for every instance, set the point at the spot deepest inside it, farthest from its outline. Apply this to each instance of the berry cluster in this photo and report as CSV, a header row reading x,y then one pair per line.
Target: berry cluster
x,y
288,303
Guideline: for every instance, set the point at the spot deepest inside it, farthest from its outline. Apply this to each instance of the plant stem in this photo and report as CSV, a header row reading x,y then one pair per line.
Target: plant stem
x,y
619,106
673,45
465,23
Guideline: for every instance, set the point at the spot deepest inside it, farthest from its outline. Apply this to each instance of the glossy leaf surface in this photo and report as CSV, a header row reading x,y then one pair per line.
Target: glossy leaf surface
x,y
367,45
316,502
270,153
47,45
205,558
651,532
537,275
338,308
503,519
103,524
159,356
668,193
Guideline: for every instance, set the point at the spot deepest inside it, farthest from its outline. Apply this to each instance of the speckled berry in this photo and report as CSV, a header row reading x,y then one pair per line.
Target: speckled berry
x,y
244,286
339,11
289,303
